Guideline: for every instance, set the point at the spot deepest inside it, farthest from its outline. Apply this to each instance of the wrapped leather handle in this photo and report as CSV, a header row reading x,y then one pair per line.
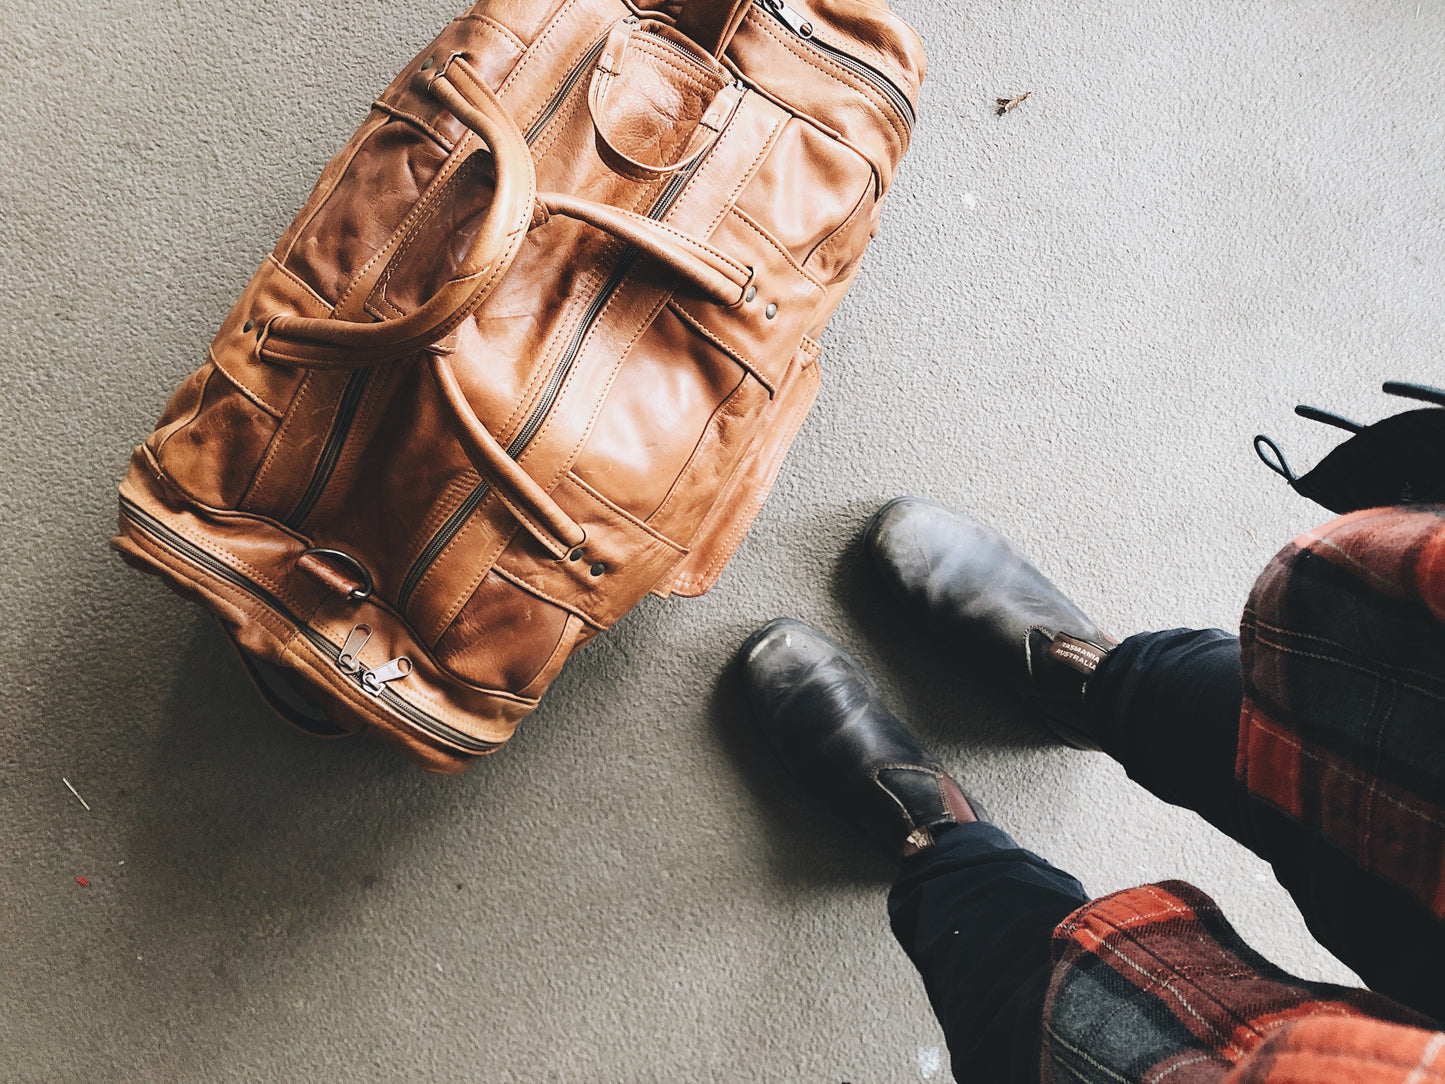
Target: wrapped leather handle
x,y
297,340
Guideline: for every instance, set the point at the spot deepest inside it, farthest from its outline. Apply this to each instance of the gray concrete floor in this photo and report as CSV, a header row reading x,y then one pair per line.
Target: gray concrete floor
x,y
1074,320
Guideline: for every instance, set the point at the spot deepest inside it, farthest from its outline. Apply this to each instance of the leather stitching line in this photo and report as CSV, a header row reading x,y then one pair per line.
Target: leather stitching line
x,y
784,253
414,119
832,70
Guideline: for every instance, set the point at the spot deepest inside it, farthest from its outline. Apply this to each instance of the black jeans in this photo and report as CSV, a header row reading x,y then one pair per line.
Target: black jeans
x,y
1166,706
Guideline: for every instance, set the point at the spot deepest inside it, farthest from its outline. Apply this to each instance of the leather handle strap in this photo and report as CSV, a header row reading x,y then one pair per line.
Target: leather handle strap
x,y
719,276
712,23
341,343
604,76
528,503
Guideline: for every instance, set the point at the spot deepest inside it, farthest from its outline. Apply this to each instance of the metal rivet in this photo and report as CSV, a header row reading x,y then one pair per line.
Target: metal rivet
x,y
427,63
575,555
770,311
752,293
248,325
598,569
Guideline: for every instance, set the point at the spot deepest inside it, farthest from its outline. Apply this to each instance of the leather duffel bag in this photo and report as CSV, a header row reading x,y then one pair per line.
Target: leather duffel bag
x,y
535,346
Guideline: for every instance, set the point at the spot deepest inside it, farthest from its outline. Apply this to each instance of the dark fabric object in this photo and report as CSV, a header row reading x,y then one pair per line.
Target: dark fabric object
x,y
1167,706
975,913
1152,983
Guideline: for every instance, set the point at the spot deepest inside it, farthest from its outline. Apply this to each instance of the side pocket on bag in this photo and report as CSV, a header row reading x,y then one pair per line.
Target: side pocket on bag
x,y
740,500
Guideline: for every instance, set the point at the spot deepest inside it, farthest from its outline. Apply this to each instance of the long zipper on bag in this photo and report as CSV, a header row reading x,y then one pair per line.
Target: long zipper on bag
x,y
458,518
350,400
373,681
801,27
346,408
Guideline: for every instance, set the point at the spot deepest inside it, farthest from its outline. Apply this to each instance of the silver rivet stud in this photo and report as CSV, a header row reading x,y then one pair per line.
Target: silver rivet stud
x,y
428,62
770,311
752,293
248,325
598,569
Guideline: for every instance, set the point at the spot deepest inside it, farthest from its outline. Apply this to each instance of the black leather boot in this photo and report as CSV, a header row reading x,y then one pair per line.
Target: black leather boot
x,y
833,732
981,594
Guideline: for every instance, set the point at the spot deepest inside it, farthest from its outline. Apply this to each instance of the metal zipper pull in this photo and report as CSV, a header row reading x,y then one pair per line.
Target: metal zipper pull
x,y
355,641
791,17
373,681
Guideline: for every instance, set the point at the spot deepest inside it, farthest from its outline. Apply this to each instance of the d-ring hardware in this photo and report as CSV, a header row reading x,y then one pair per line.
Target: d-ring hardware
x,y
368,585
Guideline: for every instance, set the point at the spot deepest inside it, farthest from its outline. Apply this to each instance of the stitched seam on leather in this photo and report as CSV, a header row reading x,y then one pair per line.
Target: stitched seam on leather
x,y
746,220
565,643
721,410
692,244
616,365
200,402
487,20
748,174
836,72
483,567
361,141
438,183
412,118
531,54
279,439
813,348
592,282
740,528
256,574
462,172
517,581
693,322
274,412
539,532
624,514
183,569
831,240
664,55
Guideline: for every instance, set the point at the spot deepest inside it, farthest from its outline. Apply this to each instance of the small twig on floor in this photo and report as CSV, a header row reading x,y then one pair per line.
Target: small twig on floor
x,y
1005,104
75,792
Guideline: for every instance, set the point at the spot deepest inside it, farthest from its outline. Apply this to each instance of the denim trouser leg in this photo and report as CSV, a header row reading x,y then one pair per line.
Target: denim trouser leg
x,y
975,913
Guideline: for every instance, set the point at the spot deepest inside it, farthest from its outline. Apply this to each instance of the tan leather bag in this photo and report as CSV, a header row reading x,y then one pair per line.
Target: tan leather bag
x,y
535,346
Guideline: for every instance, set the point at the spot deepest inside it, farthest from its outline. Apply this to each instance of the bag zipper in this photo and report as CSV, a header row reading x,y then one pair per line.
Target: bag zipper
x,y
373,681
801,27
350,400
346,408
458,518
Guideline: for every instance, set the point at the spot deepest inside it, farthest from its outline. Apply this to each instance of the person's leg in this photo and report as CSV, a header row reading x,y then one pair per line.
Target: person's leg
x,y
976,914
1166,705
973,910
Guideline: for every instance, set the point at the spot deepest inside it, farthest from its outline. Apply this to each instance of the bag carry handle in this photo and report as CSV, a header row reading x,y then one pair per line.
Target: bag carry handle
x,y
604,76
305,341
712,23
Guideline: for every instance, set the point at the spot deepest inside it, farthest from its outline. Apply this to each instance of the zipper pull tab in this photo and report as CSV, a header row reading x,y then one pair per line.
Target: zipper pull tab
x,y
355,641
790,17
373,681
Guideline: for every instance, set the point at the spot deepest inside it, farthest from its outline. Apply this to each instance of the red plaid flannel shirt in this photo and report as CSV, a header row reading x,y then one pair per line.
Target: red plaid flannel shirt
x,y
1342,728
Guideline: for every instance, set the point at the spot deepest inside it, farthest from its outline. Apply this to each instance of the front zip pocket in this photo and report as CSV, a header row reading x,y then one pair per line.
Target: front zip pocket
x,y
375,681
801,27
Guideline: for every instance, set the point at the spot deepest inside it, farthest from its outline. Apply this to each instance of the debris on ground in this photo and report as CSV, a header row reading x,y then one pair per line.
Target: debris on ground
x,y
1005,104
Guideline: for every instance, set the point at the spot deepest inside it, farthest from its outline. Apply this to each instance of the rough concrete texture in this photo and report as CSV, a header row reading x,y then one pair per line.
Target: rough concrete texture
x,y
1074,320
